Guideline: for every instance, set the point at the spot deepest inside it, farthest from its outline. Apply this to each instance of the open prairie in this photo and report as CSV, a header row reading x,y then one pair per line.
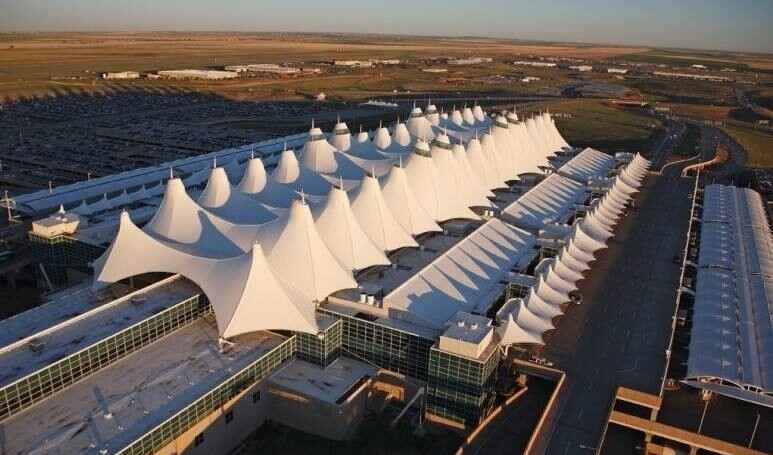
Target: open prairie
x,y
46,64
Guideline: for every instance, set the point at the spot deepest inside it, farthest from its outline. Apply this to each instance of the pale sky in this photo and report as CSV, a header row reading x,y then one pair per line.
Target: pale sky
x,y
705,24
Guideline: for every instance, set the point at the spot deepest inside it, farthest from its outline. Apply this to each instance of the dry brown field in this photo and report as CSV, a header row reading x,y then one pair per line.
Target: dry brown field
x,y
49,64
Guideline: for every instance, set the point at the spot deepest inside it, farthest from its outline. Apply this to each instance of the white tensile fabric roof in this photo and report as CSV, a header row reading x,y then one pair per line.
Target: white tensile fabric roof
x,y
290,172
435,191
376,218
548,202
299,256
523,321
732,334
303,258
480,164
319,156
463,277
341,138
460,182
381,138
587,165
258,185
468,117
488,144
362,147
432,115
507,155
419,126
245,293
182,222
405,205
219,198
343,235
478,187
401,136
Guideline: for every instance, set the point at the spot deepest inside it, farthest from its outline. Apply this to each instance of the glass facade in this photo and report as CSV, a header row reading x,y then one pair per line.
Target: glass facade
x,y
60,253
45,382
175,426
459,388
321,349
386,347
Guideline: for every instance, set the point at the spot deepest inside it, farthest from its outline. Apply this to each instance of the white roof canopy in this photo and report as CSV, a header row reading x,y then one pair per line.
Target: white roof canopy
x,y
245,294
464,277
376,217
341,232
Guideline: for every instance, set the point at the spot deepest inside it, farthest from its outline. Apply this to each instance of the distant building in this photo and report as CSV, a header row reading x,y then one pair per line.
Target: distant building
x,y
263,68
471,61
581,68
354,63
391,61
198,74
702,77
121,75
617,70
435,70
537,64
528,79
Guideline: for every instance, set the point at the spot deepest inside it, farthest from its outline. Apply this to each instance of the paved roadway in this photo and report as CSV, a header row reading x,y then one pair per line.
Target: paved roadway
x,y
659,156
619,334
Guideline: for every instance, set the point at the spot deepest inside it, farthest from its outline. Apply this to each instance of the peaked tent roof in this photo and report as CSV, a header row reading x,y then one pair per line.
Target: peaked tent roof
x,y
319,156
258,185
363,148
481,166
478,188
376,218
405,205
245,294
183,223
343,235
419,126
401,135
300,257
453,176
289,172
434,190
468,116
381,138
480,116
219,198
489,146
516,324
341,138
432,115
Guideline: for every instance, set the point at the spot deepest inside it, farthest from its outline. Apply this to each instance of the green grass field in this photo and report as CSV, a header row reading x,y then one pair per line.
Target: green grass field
x,y
758,145
605,127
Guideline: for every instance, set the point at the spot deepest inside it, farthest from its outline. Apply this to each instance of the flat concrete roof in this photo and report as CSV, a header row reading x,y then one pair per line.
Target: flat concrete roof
x,y
100,320
325,384
117,405
469,328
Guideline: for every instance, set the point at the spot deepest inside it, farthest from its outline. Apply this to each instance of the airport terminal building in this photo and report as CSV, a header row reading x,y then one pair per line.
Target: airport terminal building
x,y
292,280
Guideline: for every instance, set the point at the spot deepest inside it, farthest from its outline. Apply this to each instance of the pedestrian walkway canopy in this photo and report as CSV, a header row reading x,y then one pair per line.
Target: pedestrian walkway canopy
x,y
731,340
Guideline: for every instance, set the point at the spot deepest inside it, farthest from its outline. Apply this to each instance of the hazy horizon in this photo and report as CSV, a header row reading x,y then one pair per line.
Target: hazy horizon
x,y
744,26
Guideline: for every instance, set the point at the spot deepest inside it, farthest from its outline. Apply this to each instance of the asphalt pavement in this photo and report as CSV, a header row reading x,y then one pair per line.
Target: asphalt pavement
x,y
618,335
